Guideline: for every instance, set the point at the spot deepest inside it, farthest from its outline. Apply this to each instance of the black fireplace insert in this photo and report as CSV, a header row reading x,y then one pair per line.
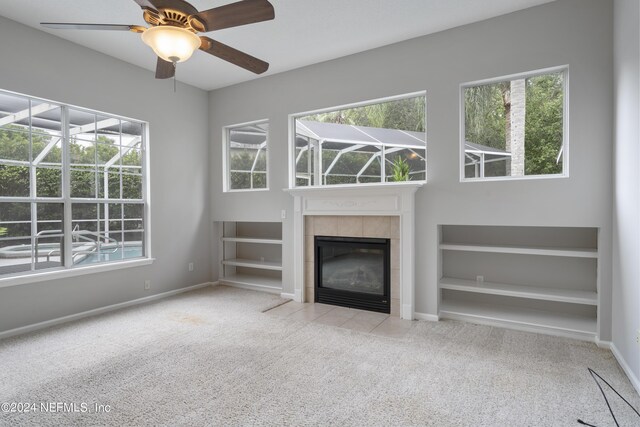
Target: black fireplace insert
x,y
353,272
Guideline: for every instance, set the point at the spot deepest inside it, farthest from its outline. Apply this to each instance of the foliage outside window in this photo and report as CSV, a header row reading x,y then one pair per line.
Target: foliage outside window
x,y
379,142
515,127
71,186
246,149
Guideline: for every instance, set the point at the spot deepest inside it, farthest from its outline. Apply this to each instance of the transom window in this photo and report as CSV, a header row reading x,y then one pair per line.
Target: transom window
x,y
246,156
515,127
382,141
72,186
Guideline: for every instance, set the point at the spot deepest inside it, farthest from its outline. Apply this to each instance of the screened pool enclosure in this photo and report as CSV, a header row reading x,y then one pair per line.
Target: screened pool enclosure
x,y
333,153
481,161
246,147
71,186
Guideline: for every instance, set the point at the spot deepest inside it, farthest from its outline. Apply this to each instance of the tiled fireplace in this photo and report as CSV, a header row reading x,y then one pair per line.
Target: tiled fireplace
x,y
380,211
385,227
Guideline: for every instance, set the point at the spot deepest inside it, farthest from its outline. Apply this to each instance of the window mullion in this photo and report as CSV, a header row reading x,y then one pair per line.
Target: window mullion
x,y
146,176
66,189
32,194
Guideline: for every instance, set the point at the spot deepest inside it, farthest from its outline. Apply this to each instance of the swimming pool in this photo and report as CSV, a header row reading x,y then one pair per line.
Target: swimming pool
x,y
24,251
52,250
110,255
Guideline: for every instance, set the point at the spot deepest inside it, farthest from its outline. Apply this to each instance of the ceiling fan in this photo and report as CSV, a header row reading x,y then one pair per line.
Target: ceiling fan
x,y
174,25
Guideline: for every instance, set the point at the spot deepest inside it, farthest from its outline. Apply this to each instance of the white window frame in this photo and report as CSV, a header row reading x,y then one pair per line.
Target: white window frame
x,y
70,270
564,69
226,152
292,139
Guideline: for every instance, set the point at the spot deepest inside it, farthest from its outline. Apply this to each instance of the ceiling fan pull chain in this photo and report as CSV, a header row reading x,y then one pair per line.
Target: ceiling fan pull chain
x,y
174,78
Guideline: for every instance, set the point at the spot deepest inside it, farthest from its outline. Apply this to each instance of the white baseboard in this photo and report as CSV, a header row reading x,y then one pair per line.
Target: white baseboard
x,y
603,344
425,316
288,296
625,367
64,319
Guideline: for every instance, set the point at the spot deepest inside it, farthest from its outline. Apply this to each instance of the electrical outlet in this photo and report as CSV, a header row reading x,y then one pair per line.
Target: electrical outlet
x,y
190,266
147,284
480,279
283,214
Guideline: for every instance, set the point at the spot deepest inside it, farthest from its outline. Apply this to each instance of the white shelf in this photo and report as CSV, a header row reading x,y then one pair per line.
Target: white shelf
x,y
251,263
525,250
494,314
253,281
252,240
532,292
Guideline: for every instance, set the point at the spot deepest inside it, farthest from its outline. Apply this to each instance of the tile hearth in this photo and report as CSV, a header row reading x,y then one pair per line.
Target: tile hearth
x,y
342,317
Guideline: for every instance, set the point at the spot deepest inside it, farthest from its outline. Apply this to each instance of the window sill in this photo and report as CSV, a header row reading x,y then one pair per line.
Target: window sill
x,y
245,190
41,276
515,178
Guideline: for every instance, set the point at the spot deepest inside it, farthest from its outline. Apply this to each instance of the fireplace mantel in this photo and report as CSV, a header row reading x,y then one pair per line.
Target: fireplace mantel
x,y
365,199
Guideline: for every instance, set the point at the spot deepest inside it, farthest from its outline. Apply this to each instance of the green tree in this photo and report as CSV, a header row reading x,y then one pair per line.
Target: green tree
x,y
485,116
544,124
486,123
403,114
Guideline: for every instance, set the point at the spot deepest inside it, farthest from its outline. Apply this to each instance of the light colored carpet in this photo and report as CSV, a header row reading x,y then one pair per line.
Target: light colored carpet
x,y
210,357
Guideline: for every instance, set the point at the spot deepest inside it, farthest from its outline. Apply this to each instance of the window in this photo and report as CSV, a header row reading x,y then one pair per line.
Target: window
x,y
72,186
515,127
246,156
382,141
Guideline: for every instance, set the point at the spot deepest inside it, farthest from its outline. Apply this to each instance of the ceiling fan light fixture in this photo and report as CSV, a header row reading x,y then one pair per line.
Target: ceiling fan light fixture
x,y
173,44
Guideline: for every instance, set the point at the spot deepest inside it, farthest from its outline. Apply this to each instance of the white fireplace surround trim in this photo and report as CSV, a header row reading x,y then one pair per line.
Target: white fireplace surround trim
x,y
360,200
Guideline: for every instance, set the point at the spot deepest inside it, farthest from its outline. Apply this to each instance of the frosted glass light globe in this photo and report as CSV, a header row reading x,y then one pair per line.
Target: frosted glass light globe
x,y
173,44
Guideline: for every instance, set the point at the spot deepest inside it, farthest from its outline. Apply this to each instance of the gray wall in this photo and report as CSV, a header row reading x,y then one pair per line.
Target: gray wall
x,y
626,210
574,32
42,65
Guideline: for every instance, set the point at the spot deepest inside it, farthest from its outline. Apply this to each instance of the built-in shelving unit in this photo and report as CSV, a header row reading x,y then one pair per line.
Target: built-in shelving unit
x,y
251,255
532,278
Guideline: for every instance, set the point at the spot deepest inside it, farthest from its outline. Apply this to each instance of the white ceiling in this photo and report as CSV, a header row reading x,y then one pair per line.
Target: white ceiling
x,y
304,32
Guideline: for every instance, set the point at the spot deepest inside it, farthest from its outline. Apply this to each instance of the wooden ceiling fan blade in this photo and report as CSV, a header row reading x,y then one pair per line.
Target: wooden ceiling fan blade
x,y
235,14
107,27
233,56
179,5
145,4
165,69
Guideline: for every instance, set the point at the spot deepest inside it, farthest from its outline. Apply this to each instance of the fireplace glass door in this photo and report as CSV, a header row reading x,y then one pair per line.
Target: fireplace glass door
x,y
353,272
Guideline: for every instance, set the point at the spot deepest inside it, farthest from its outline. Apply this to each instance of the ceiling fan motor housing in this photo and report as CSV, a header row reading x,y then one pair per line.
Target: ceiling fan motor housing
x,y
175,18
